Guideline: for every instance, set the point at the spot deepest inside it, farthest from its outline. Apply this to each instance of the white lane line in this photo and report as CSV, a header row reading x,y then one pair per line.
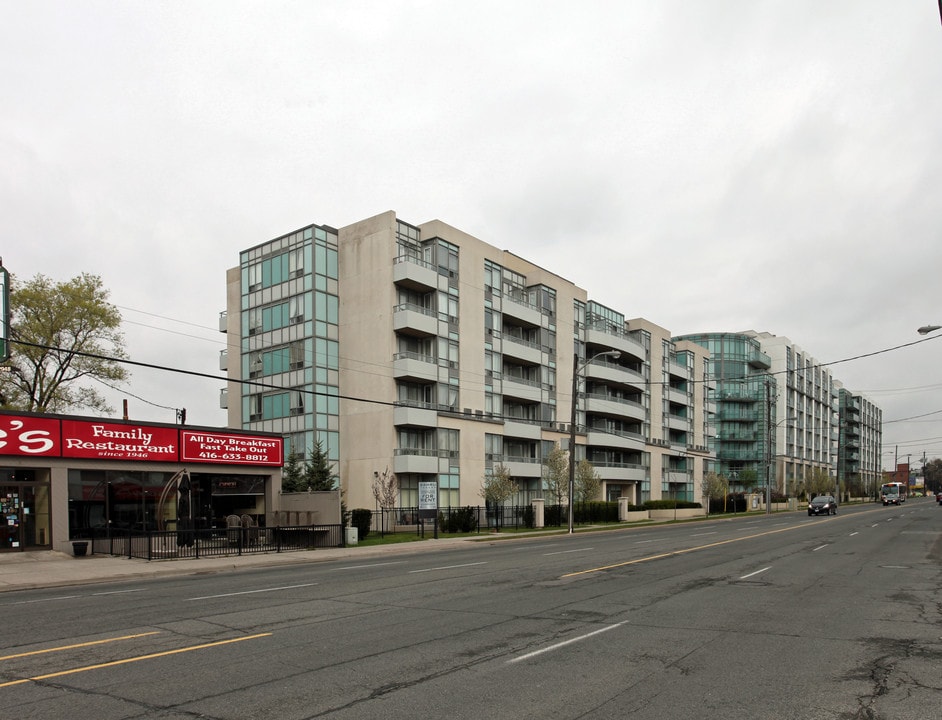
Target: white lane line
x,y
820,547
642,542
563,552
252,592
853,533
756,572
52,599
119,592
446,567
372,565
702,534
566,642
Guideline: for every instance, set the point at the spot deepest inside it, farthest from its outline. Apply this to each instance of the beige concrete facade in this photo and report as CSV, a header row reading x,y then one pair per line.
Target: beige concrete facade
x,y
407,320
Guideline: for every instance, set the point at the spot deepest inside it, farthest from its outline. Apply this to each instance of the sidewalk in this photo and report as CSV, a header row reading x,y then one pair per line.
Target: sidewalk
x,y
48,568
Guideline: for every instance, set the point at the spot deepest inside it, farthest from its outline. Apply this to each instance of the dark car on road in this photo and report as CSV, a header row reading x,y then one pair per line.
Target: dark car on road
x,y
823,505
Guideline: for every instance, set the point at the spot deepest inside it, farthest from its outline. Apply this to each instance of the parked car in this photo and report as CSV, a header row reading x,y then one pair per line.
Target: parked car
x,y
823,505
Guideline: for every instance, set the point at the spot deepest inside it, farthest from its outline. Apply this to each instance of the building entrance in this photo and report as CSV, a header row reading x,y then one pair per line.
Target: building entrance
x,y
24,516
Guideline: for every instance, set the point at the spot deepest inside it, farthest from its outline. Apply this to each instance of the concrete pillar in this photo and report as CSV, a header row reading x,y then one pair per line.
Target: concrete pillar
x,y
623,503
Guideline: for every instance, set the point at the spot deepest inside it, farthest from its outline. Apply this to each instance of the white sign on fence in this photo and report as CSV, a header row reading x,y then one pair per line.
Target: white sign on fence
x,y
428,496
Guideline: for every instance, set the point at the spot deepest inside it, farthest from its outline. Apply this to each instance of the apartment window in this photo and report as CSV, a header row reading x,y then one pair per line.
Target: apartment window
x,y
447,258
296,354
253,277
296,262
296,309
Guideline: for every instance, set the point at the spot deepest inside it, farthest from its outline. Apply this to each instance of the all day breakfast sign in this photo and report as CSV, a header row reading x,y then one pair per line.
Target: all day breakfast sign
x,y
43,436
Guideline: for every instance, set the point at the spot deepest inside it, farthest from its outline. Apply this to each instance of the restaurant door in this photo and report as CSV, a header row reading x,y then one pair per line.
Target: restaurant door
x,y
24,516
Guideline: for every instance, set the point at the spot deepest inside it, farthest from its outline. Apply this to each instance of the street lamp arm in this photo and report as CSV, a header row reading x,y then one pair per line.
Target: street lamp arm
x,y
926,329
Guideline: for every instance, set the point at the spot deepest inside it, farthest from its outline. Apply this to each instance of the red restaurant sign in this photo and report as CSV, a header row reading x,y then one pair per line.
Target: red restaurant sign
x,y
222,447
31,436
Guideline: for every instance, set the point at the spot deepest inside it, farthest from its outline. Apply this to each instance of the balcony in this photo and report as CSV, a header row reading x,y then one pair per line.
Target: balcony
x,y
520,349
415,274
224,321
415,461
597,437
602,337
678,370
522,429
677,476
613,472
415,416
410,319
614,406
521,310
520,467
760,360
224,398
522,388
416,367
614,373
678,422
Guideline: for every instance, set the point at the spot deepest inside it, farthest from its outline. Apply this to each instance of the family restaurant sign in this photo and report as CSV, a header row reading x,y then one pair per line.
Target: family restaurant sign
x,y
37,436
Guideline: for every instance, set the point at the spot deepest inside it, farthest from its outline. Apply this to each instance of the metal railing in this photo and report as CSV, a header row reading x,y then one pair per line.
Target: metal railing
x,y
217,542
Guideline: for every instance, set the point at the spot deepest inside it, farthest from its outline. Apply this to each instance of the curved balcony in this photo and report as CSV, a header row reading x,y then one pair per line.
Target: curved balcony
x,y
615,439
615,374
614,407
616,341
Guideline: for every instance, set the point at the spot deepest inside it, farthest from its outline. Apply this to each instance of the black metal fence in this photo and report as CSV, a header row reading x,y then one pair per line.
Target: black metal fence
x,y
478,519
174,545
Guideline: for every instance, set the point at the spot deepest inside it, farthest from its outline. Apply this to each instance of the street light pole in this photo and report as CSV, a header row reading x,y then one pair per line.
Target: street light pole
x,y
768,465
576,369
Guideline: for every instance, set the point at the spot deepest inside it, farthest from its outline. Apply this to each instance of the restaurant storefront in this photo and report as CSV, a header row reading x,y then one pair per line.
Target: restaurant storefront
x,y
64,478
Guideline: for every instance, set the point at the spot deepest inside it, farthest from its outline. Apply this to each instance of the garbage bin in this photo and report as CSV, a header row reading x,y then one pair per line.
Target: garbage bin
x,y
80,548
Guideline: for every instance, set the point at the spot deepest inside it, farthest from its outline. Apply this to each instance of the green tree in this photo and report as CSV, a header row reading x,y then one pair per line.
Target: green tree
x,y
498,487
556,473
292,475
62,335
385,489
715,487
318,472
819,482
588,484
748,479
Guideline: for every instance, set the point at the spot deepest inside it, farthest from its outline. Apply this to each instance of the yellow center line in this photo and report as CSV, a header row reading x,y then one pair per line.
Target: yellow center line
x,y
79,645
679,552
131,660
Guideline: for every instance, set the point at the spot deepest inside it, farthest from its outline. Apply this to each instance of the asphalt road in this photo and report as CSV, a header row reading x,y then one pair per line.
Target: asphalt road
x,y
778,617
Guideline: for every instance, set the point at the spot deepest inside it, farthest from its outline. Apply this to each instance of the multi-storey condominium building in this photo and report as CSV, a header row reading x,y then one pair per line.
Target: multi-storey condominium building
x,y
859,464
780,415
421,350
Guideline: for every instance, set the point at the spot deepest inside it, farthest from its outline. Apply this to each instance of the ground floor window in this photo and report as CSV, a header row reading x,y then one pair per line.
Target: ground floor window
x,y
132,501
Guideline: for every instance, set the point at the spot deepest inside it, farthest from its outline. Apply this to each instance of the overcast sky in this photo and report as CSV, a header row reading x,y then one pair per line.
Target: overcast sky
x,y
709,166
